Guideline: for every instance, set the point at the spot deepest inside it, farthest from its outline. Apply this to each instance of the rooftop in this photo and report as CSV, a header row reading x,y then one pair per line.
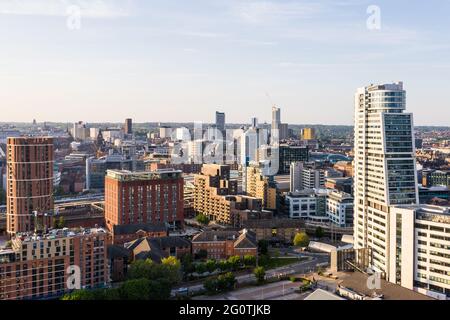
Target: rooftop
x,y
125,175
58,233
357,281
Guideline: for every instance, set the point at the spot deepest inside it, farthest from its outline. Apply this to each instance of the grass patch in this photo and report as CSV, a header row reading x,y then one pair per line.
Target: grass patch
x,y
272,263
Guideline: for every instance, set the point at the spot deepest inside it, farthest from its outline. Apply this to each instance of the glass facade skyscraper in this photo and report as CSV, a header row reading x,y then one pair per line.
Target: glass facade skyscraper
x,y
385,167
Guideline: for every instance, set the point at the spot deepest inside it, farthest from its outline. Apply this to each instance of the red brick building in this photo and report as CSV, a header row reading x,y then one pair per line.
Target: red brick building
x,y
128,232
29,181
144,197
224,244
36,267
158,248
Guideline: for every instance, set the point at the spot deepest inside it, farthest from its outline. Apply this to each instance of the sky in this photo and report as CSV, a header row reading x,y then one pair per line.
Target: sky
x,y
181,60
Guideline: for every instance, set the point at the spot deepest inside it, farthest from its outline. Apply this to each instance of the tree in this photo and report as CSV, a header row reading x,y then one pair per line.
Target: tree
x,y
249,260
200,268
160,289
83,294
224,265
171,261
226,282
171,269
211,265
187,263
140,269
260,274
235,262
263,246
301,239
210,285
136,289
319,232
201,218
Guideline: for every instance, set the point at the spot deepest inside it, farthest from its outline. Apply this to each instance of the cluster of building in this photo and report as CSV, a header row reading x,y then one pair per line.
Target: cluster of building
x,y
140,190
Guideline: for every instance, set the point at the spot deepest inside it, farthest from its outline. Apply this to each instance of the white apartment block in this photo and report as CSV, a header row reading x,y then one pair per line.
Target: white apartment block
x,y
340,208
385,166
420,249
308,205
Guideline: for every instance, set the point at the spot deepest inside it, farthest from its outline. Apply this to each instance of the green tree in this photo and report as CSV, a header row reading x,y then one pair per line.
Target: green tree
x,y
263,246
224,265
235,262
319,233
301,239
211,265
140,269
187,263
83,294
136,289
201,268
201,218
210,285
171,269
160,289
226,282
260,274
249,260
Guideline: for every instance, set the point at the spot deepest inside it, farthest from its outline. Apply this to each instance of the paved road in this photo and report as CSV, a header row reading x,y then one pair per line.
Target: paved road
x,y
303,267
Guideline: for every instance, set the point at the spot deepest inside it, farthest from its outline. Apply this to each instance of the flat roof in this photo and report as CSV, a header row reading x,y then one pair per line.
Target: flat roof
x,y
357,281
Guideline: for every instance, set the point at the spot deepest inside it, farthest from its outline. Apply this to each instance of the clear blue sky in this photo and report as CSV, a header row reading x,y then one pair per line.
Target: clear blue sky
x,y
180,60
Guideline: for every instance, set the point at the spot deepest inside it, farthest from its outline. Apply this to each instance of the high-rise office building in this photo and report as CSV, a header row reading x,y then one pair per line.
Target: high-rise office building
x,y
144,197
29,181
128,126
254,122
385,167
220,121
276,118
288,154
284,131
79,131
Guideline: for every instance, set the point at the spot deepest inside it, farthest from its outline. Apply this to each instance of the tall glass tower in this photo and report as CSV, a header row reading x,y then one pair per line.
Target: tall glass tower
x,y
385,166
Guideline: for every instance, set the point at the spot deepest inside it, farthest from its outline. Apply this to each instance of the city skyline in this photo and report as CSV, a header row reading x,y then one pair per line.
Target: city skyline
x,y
161,62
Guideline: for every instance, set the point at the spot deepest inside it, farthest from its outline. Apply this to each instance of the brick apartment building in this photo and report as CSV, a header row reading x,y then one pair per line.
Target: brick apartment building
x,y
215,196
36,267
29,181
144,197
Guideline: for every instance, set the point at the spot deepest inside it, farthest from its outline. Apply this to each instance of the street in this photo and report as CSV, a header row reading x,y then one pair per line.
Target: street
x,y
303,267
